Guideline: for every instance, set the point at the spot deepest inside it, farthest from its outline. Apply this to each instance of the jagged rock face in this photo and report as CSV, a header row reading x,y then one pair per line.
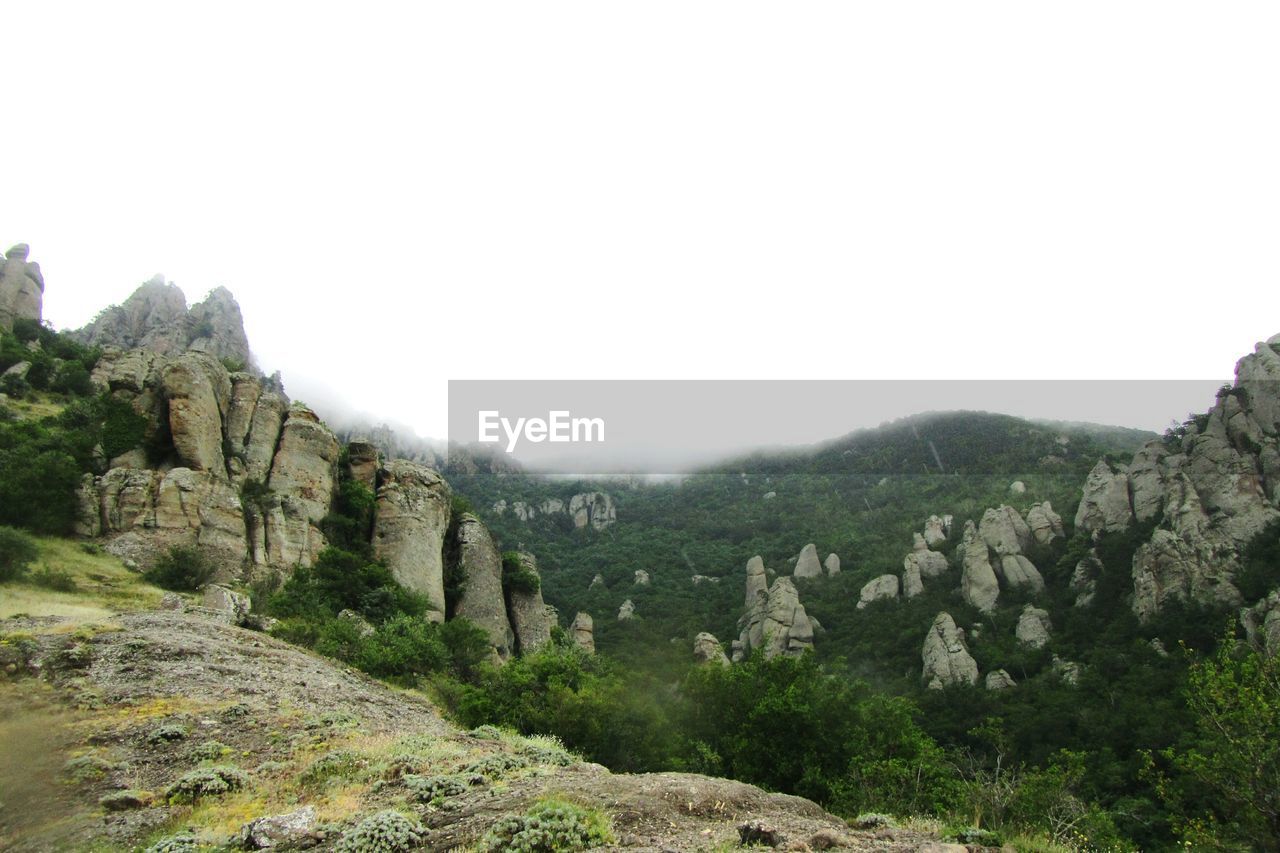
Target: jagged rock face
x,y
1044,523
1169,566
878,589
1105,505
1015,570
832,565
411,518
155,318
776,622
303,474
1034,627
807,565
936,530
1084,580
21,288
482,600
1004,531
583,632
531,619
757,581
1000,680
1147,480
1262,624
978,584
593,508
198,391
912,585
707,649
363,461
947,661
627,611
225,600
641,577
926,564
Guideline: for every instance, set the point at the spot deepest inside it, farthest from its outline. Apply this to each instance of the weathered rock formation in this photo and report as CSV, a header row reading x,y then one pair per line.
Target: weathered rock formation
x,y
947,661
1045,524
1000,680
155,318
592,508
1034,627
922,563
303,475
878,589
627,611
978,583
775,621
936,530
707,649
912,585
1262,623
757,581
411,518
1068,671
641,578
832,565
583,632
1105,505
21,288
807,565
482,600
531,618
1006,534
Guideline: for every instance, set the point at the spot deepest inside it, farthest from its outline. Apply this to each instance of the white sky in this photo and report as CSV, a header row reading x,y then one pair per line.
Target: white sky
x,y
399,194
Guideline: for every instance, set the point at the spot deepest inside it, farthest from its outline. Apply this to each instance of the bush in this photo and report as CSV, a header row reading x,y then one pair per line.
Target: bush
x,y
384,832
183,842
517,576
427,789
15,386
58,580
184,568
549,827
339,764
17,552
207,782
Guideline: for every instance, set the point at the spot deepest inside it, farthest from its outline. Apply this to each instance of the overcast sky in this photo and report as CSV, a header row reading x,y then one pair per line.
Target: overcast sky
x,y
400,194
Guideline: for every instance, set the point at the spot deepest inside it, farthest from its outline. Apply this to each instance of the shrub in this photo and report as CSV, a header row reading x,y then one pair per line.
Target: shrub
x,y
550,826
123,429
167,733
516,576
184,568
58,580
496,766
207,782
339,764
17,552
15,386
384,832
426,789
183,842
210,750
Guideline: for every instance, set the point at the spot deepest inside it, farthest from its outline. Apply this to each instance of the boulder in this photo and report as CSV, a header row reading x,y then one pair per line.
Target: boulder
x,y
627,611
978,584
283,830
233,605
707,649
641,578
1000,680
1004,531
912,585
19,370
1034,627
776,622
362,625
1044,523
1105,505
878,589
583,632
832,565
531,619
411,518
807,565
21,288
1019,572
936,530
946,658
757,581
482,600
596,581
592,508
1017,487
927,564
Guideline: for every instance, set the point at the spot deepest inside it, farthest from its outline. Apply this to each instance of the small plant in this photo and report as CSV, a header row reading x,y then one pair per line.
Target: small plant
x,y
207,782
339,764
88,768
496,766
182,569
17,552
872,820
551,826
973,835
183,842
384,832
167,733
210,750
58,580
516,575
486,732
428,789
548,750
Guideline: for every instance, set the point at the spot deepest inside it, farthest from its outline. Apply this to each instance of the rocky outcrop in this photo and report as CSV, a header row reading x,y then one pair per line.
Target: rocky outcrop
x,y
1084,579
807,565
757,581
641,578
1034,627
1017,487
592,508
1006,535
21,288
946,657
978,583
155,318
1105,505
363,462
912,585
627,611
198,392
707,649
1000,680
775,622
303,474
832,565
411,518
583,632
936,530
1068,671
1262,624
233,605
1044,523
482,600
878,589
531,619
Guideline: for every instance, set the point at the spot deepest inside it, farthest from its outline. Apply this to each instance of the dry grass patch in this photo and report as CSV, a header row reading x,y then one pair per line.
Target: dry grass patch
x,y
103,586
